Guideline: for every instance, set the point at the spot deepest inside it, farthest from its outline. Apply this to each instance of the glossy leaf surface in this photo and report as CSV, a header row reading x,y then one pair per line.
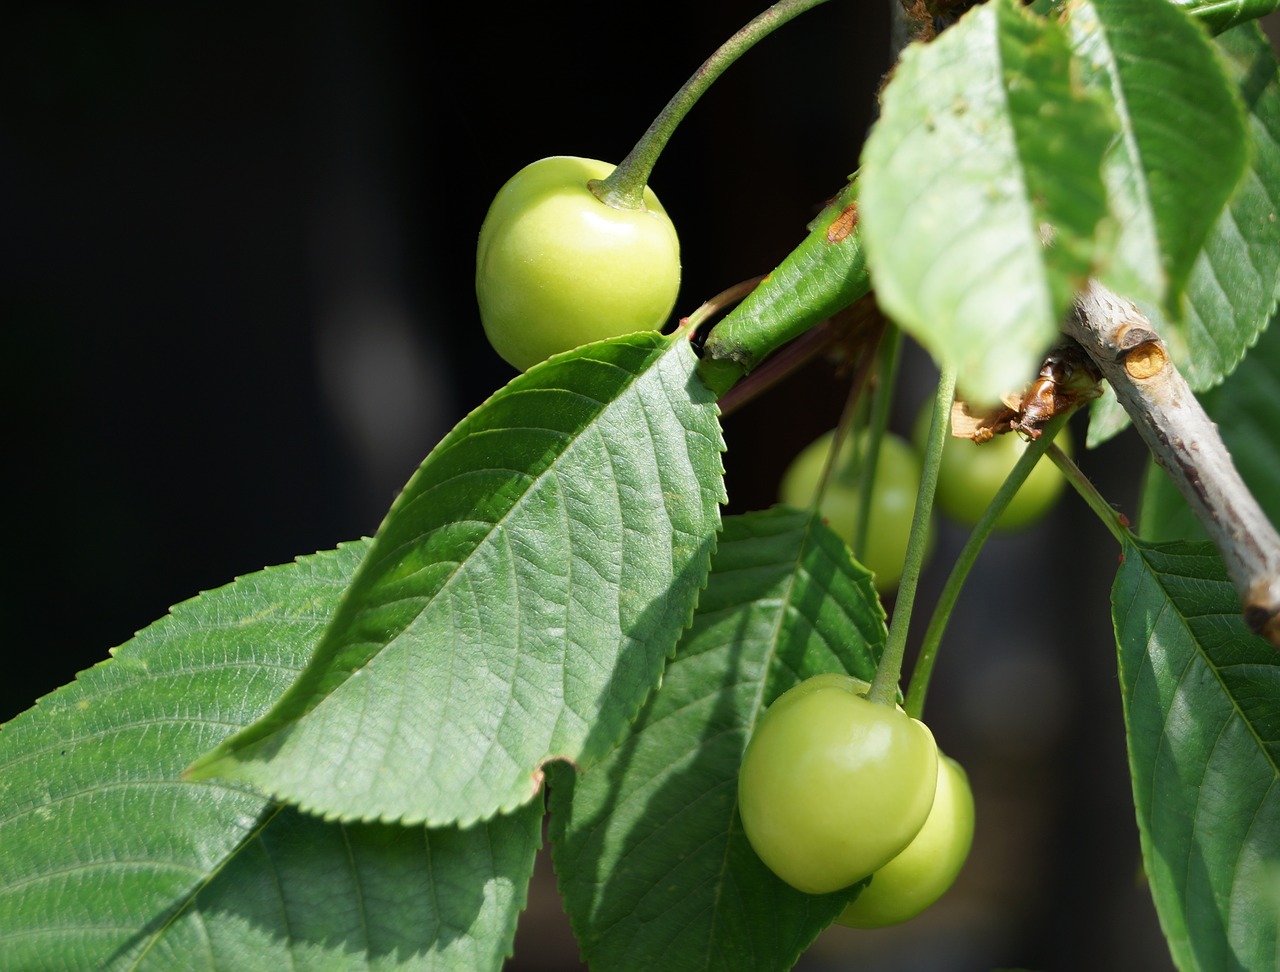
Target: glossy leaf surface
x,y
1220,15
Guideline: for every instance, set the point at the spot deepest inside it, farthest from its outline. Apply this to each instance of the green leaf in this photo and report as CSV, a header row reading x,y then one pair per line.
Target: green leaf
x,y
1245,408
518,603
1107,417
1219,15
653,864
1235,281
1202,708
309,894
1182,145
986,149
109,860
1236,278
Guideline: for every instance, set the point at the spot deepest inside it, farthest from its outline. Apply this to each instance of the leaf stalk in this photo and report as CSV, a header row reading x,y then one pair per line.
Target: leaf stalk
x,y
884,687
624,187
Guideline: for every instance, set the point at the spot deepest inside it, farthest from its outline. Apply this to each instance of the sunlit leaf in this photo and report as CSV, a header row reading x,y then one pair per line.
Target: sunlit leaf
x,y
1234,283
108,860
1181,149
518,603
981,193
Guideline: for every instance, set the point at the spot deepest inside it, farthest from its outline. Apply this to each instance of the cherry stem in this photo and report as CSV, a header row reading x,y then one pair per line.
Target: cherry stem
x,y
709,308
884,687
848,420
624,187
879,421
1111,518
919,685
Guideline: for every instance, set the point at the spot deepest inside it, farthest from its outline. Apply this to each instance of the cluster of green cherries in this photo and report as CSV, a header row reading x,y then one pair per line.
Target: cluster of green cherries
x,y
968,478
834,788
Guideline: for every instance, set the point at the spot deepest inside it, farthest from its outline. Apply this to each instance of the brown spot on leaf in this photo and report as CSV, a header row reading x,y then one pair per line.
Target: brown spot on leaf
x,y
843,224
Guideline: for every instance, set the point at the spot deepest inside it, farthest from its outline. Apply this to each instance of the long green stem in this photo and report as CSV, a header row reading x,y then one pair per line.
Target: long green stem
x,y
624,187
847,422
1113,520
884,687
919,686
879,421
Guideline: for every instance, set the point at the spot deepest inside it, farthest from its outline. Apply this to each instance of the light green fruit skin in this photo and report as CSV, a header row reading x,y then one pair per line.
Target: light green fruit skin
x,y
922,873
894,500
556,268
833,786
971,474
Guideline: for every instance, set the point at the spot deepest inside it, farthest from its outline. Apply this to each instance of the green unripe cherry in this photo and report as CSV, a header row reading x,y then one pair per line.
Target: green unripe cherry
x,y
919,876
833,786
893,499
556,268
971,473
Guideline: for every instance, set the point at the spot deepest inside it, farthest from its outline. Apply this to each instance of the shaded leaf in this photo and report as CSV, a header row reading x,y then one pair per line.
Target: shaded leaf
x,y
1220,15
108,860
1181,149
519,600
314,895
653,863
1236,278
1202,708
1107,417
986,149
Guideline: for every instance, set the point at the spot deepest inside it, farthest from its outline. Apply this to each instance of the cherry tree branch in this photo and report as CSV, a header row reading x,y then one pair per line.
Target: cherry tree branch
x,y
1185,441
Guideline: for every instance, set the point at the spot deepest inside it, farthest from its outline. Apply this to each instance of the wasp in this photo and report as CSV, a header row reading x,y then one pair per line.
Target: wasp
x,y
1067,379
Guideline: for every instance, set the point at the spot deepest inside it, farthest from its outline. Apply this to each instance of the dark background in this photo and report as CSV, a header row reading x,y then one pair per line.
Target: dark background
x,y
236,248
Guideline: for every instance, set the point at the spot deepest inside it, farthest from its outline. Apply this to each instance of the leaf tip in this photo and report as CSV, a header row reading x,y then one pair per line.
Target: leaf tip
x,y
213,764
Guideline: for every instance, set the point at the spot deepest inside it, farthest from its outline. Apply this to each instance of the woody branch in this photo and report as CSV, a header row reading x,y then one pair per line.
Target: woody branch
x,y
1185,441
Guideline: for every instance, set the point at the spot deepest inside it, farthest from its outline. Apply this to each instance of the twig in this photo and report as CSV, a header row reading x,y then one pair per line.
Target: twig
x,y
1185,441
